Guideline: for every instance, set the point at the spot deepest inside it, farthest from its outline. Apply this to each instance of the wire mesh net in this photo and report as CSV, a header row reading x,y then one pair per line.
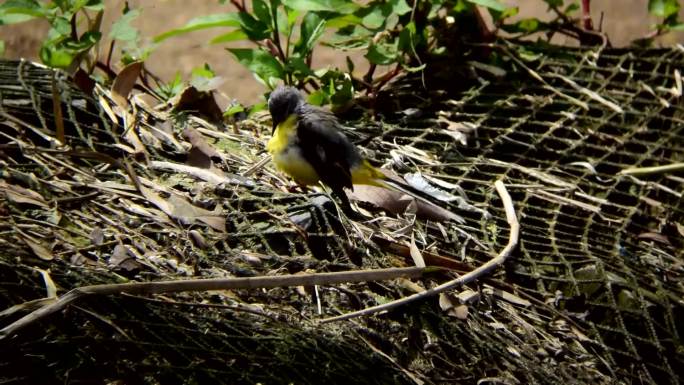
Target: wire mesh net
x,y
593,294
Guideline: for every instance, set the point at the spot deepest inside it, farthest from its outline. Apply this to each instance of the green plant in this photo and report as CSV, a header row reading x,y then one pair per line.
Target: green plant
x,y
392,33
75,31
668,11
64,45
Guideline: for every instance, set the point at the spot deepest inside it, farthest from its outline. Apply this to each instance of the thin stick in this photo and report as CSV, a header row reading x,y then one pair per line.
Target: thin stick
x,y
211,284
668,168
480,272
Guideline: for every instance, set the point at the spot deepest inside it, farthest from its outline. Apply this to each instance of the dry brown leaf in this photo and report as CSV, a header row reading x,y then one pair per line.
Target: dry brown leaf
x,y
18,194
511,298
199,102
656,237
460,312
431,259
124,83
180,209
450,305
397,202
410,285
200,144
415,253
124,258
97,236
38,249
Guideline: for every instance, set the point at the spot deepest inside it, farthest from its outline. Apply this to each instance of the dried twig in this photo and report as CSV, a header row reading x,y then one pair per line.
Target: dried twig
x,y
211,284
640,171
460,281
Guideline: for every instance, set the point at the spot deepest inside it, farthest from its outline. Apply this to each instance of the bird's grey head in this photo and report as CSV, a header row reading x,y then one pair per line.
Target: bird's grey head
x,y
282,103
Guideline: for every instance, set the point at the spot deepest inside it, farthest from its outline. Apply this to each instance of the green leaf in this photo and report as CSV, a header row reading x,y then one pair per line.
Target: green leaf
x,y
234,109
257,107
56,55
261,63
85,42
343,21
2,48
663,8
310,31
202,22
509,12
491,4
253,28
571,8
205,71
382,53
123,30
95,5
297,66
337,6
407,38
61,26
677,27
528,25
237,34
400,7
554,3
172,88
18,11
374,17
317,98
261,10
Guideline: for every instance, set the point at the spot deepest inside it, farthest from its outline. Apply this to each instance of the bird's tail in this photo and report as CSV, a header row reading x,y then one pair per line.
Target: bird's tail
x,y
368,175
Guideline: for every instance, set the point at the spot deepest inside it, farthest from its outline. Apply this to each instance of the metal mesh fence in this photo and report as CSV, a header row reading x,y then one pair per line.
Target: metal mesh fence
x,y
593,294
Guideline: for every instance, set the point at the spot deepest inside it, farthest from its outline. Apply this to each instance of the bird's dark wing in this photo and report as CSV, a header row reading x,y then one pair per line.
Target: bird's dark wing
x,y
329,151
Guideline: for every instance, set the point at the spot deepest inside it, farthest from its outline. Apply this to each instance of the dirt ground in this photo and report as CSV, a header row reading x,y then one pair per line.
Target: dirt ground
x,y
622,24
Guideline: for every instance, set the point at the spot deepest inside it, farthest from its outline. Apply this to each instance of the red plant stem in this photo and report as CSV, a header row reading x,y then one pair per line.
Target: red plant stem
x,y
586,15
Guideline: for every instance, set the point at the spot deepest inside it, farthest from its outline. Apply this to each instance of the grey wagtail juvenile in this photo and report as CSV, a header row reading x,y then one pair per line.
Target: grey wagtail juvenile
x,y
307,145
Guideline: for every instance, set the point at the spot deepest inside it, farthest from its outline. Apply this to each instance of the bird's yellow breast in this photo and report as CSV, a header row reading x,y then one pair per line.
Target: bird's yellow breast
x,y
287,156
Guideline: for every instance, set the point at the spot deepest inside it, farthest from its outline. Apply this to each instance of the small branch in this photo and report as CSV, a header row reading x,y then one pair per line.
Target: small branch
x,y
276,35
240,6
108,63
474,275
368,77
210,284
668,168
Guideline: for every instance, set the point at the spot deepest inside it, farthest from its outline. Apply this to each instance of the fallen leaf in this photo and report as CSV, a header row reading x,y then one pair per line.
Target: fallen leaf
x,y
200,144
397,202
97,236
510,297
199,102
656,237
453,309
415,253
20,195
38,249
124,83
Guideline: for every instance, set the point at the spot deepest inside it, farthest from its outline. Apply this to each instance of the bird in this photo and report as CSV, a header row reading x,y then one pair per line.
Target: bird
x,y
307,144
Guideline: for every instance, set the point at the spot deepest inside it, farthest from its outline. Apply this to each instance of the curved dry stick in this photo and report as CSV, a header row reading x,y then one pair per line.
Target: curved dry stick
x,y
212,284
462,280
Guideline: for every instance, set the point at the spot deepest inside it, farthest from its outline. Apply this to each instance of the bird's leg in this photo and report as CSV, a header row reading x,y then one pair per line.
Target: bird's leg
x,y
345,205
